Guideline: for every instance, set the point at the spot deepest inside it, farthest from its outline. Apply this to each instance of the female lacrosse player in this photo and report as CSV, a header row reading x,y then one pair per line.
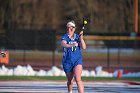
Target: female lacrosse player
x,y
72,58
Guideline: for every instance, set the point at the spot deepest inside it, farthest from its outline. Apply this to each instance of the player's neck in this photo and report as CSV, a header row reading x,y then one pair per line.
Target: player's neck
x,y
71,36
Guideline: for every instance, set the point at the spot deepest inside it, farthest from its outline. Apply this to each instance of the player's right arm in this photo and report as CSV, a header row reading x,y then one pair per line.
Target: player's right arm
x,y
82,42
64,44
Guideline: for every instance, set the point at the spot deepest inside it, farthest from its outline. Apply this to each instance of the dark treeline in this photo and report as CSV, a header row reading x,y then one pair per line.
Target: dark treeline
x,y
111,16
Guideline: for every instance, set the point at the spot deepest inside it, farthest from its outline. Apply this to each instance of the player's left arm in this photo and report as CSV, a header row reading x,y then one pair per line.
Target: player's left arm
x,y
82,41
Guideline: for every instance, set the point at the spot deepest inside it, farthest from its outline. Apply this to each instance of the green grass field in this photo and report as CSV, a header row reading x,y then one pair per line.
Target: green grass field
x,y
36,78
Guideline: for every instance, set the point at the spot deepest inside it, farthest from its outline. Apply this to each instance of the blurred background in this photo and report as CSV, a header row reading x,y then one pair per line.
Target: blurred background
x,y
31,30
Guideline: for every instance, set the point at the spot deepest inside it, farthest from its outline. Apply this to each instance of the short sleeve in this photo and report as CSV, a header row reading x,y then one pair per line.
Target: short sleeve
x,y
63,37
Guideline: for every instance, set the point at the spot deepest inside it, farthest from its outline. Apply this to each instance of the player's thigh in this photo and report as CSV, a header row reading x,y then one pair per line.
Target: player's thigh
x,y
78,71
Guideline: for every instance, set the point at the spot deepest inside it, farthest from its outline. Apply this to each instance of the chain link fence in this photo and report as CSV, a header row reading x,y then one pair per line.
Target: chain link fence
x,y
42,49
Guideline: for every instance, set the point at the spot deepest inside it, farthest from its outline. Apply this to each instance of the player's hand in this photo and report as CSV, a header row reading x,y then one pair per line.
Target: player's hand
x,y
75,44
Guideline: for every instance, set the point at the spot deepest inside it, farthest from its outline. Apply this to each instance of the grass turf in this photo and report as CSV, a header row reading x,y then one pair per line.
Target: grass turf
x,y
35,78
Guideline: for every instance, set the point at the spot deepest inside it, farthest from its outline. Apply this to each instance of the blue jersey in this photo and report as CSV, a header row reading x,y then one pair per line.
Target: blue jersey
x,y
72,56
